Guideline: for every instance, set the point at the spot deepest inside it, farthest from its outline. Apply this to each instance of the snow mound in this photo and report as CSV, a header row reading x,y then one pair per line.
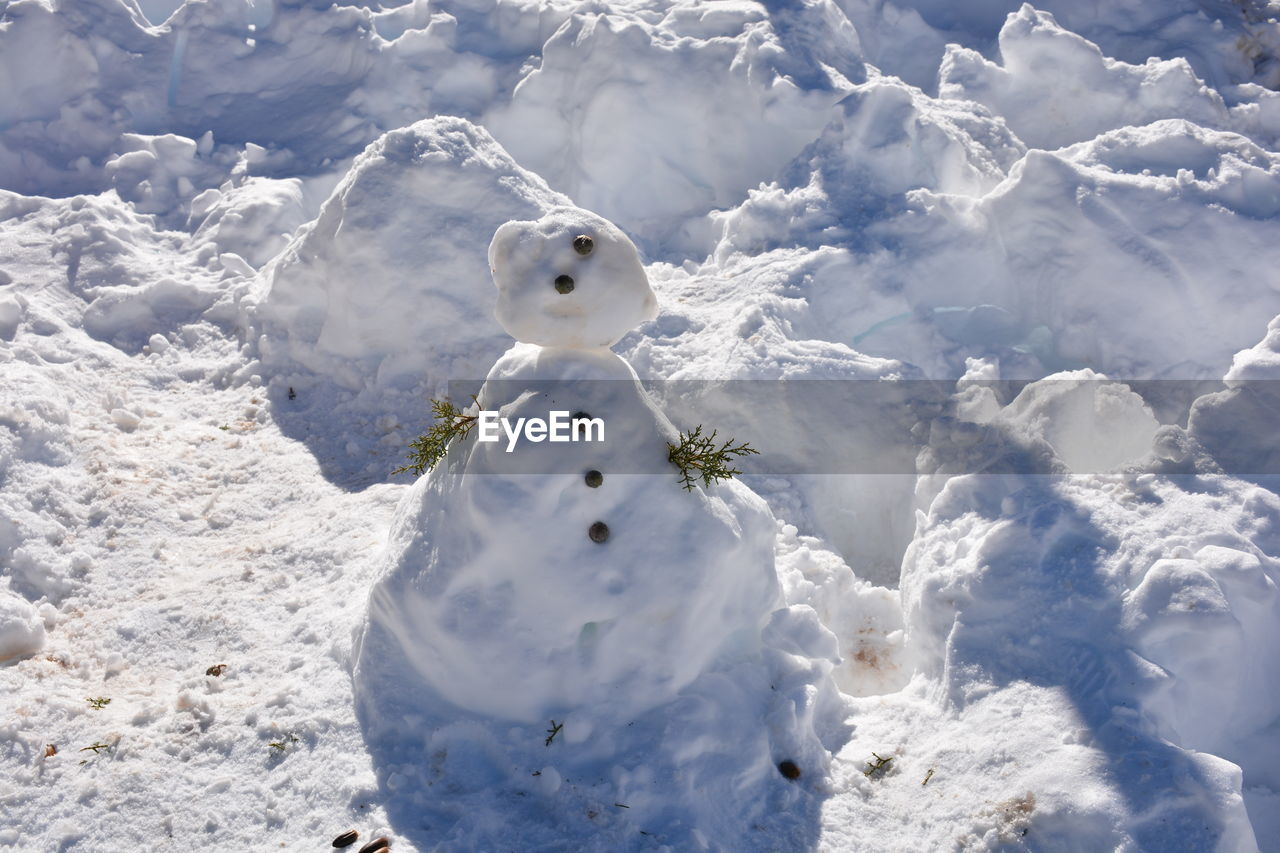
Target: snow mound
x,y
1055,88
379,301
884,139
340,75
767,77
21,628
1237,425
1076,242
1004,567
1226,44
248,222
1092,425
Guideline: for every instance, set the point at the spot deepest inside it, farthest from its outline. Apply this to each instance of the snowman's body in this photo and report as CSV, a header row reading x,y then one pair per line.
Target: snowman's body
x,y
494,596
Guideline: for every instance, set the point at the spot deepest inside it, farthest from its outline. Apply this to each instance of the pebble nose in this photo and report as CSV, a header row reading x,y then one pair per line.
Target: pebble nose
x,y
564,284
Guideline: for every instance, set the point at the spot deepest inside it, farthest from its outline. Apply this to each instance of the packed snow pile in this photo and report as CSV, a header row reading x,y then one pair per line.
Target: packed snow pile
x,y
22,632
990,285
766,84
357,316
1235,423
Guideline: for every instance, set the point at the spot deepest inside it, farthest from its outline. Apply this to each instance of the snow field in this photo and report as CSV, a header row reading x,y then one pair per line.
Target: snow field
x,y
272,218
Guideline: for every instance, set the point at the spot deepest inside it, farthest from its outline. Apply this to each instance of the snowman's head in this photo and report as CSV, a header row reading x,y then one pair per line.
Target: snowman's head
x,y
569,279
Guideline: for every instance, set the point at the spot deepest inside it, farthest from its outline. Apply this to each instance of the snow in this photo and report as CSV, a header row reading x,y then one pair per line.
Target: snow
x,y
1143,589
766,84
668,625
22,633
544,618
1091,424
358,314
242,245
571,279
1047,74
668,629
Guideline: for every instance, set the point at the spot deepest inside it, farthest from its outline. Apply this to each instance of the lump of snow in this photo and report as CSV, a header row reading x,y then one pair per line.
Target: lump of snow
x,y
1033,579
250,222
762,103
12,307
158,173
884,139
1237,426
1077,243
126,420
385,296
1092,424
1056,88
380,289
22,632
888,138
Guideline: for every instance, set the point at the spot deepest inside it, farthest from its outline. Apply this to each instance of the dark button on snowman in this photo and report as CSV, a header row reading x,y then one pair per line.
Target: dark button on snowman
x,y
521,585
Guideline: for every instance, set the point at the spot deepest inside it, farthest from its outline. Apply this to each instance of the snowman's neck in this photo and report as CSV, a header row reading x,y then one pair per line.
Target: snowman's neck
x,y
532,361
571,352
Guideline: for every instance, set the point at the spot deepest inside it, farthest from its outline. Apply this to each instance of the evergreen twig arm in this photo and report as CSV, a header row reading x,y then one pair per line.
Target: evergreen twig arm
x,y
429,448
699,459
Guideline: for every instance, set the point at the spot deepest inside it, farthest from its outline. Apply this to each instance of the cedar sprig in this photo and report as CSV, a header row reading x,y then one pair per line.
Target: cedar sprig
x,y
430,447
699,459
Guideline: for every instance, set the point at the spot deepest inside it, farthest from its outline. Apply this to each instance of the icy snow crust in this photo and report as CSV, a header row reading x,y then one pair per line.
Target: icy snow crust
x,y
242,244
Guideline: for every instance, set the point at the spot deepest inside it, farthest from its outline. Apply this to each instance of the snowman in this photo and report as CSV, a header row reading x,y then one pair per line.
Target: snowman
x,y
577,586
524,582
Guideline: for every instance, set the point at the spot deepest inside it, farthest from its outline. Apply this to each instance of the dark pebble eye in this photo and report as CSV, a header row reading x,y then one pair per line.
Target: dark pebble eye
x,y
346,839
564,284
582,244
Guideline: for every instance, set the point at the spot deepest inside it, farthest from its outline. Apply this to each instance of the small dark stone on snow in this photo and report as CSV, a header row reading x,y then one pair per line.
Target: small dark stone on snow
x,y
789,770
376,844
582,244
346,839
594,479
564,284
598,532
